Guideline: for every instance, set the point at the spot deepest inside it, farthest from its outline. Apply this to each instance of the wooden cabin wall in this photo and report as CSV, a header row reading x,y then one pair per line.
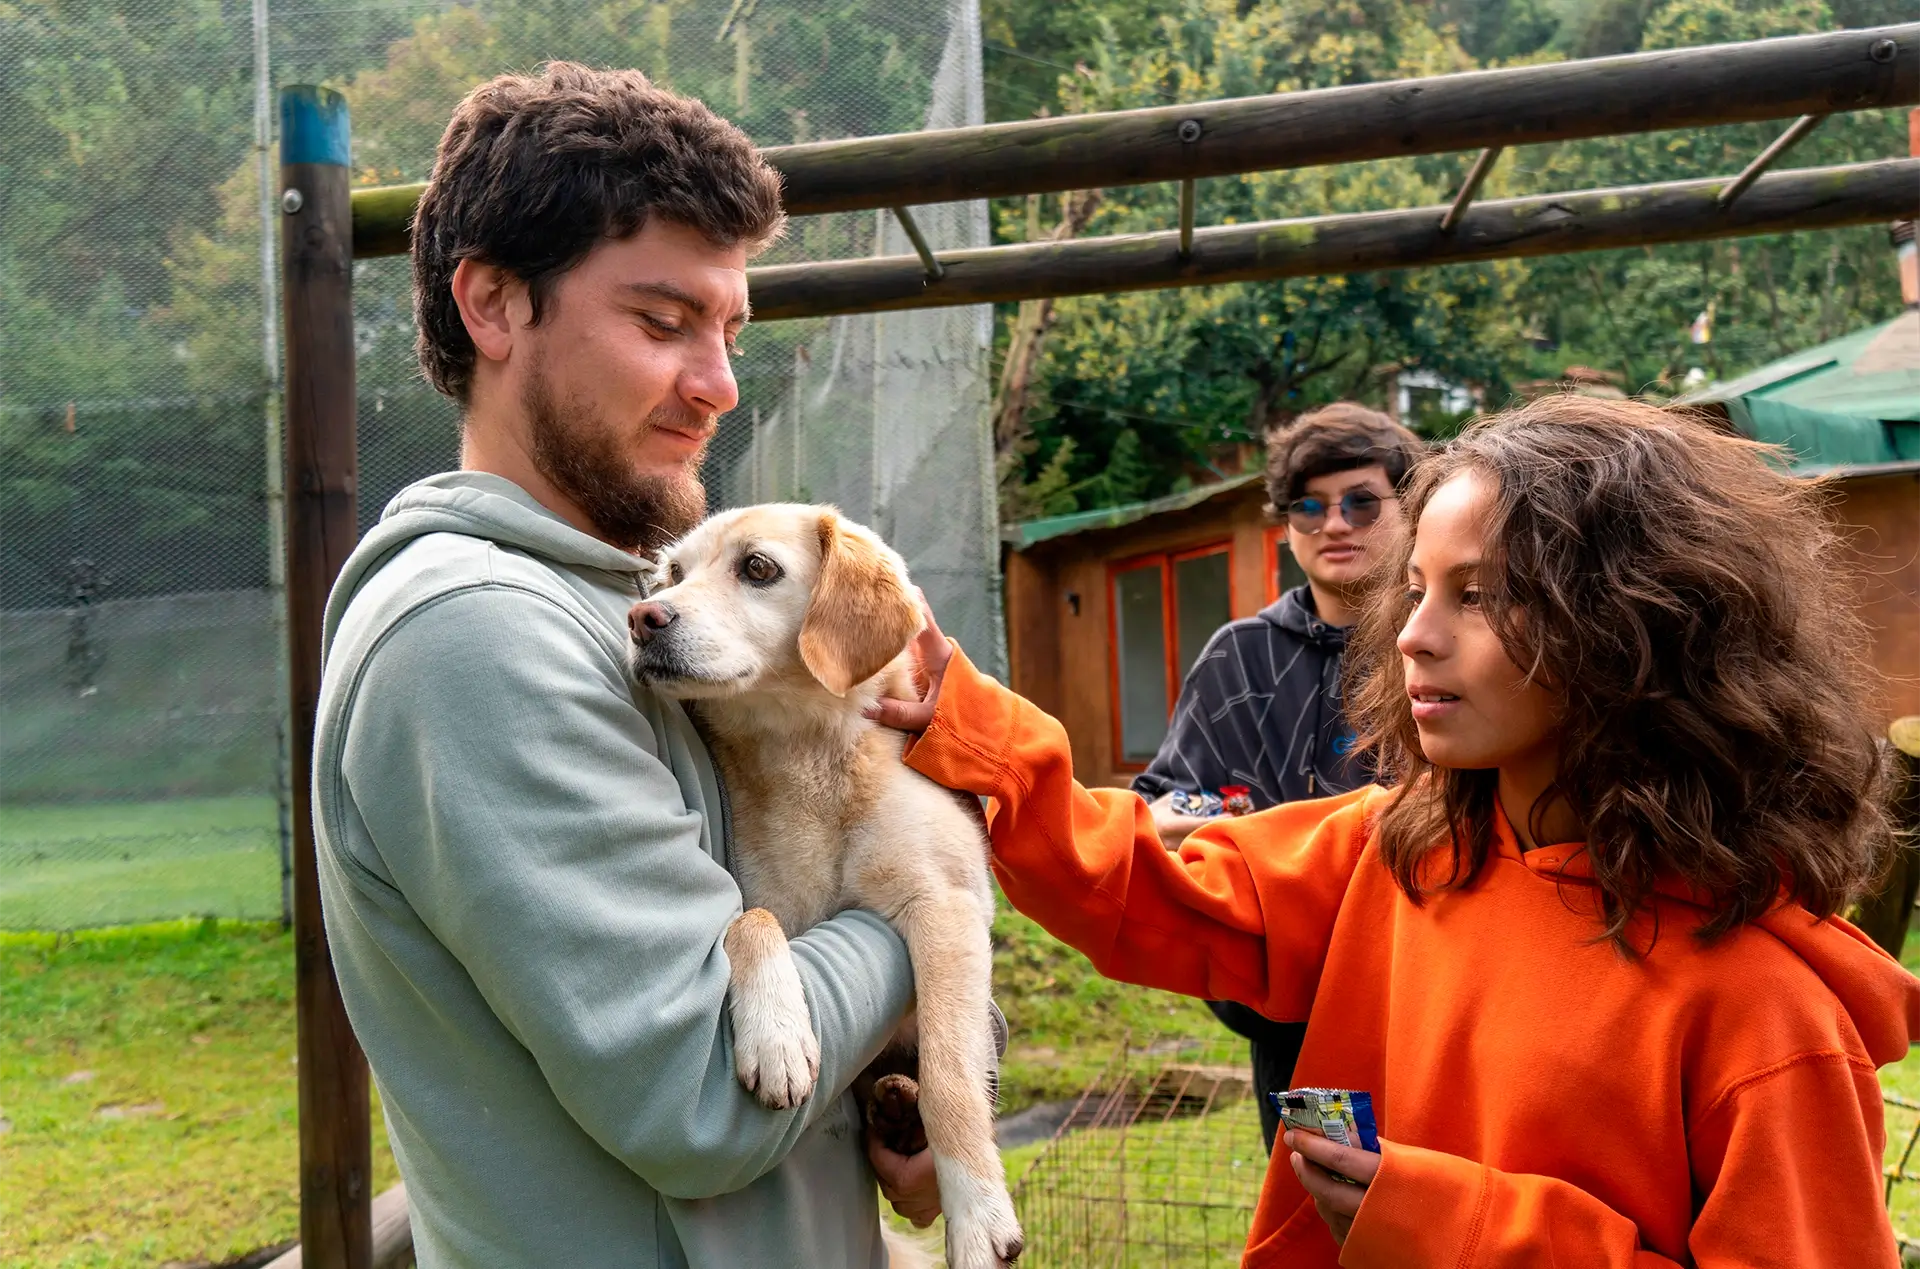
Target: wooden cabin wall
x,y
1880,516
1063,661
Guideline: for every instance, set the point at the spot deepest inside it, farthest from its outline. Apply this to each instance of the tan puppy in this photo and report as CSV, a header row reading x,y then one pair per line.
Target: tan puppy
x,y
780,625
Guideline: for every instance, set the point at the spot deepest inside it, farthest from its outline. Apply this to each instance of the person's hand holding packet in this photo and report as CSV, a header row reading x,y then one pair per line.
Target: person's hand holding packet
x,y
1334,1147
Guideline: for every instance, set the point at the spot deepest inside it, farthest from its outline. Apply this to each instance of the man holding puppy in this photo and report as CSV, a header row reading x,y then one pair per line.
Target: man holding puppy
x,y
523,858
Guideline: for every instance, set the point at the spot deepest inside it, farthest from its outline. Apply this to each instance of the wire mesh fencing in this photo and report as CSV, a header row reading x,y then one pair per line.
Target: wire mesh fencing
x,y
143,728
1158,1164
1902,1195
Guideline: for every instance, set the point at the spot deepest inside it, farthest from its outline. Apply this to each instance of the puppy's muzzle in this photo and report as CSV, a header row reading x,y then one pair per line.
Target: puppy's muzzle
x,y
645,620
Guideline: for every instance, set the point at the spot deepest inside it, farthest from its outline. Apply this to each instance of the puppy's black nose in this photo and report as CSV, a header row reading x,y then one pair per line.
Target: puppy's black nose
x,y
649,619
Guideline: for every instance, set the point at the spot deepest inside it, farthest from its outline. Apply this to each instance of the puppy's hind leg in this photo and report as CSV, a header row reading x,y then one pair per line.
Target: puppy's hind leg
x,y
775,1052
948,942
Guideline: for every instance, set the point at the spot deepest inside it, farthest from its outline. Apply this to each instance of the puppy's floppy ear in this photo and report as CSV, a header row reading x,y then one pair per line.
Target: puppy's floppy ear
x,y
861,616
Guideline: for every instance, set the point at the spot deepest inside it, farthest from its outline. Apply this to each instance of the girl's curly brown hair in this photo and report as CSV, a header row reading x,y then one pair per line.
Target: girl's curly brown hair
x,y
1683,597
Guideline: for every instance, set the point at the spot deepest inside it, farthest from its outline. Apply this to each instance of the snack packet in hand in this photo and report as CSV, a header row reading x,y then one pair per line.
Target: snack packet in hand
x,y
1341,1115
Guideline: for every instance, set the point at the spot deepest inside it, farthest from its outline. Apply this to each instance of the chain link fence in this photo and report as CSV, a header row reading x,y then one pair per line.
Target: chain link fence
x,y
142,700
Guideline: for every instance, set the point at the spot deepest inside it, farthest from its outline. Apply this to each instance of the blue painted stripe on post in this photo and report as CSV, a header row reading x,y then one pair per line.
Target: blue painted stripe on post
x,y
313,125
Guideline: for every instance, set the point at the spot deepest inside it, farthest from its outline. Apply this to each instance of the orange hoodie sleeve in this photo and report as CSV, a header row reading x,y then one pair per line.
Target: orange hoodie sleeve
x,y
1428,1208
1788,1162
1244,911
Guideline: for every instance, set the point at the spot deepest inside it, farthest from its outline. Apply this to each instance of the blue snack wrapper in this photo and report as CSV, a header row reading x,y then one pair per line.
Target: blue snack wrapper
x,y
1202,805
1340,1115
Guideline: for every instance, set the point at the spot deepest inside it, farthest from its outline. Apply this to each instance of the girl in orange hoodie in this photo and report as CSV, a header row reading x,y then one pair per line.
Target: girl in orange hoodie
x,y
1584,953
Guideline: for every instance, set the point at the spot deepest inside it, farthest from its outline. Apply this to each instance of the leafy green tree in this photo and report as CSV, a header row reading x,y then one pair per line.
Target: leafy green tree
x,y
1630,312
1493,31
1195,375
1191,373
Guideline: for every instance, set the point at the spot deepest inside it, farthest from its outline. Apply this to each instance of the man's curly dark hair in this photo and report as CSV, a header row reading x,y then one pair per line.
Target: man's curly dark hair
x,y
535,170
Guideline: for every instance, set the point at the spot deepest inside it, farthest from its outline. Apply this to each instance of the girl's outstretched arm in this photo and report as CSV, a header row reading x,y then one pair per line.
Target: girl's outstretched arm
x,y
1243,911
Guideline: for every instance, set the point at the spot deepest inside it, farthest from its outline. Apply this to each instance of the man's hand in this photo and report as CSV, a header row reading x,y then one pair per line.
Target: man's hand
x,y
1314,1160
931,652
1173,826
907,1181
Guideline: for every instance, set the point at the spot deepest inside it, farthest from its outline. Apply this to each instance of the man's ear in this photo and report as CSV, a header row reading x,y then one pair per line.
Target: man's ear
x,y
491,302
861,616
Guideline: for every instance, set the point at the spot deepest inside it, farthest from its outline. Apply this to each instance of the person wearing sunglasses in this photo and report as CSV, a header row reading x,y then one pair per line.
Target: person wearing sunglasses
x,y
1261,706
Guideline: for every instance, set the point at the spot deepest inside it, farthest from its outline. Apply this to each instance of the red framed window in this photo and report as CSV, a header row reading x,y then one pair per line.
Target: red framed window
x,y
1164,608
1282,572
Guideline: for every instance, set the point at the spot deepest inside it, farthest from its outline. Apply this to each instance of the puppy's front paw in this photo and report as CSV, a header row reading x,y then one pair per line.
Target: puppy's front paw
x,y
982,1231
775,1051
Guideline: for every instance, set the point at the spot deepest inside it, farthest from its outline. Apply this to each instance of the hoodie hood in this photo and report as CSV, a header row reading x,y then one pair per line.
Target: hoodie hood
x,y
478,505
1294,613
1880,995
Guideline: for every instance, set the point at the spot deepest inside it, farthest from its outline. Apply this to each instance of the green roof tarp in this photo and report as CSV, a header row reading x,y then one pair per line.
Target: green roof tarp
x,y
1820,441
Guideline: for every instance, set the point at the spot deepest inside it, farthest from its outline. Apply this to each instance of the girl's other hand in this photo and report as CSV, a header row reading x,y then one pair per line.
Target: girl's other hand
x,y
1314,1161
931,652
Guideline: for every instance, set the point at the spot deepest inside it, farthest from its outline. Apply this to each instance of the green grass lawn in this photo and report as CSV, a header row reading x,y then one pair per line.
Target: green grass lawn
x,y
105,863
147,1088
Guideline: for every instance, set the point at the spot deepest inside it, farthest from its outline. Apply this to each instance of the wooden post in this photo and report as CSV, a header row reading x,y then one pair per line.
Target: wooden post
x,y
336,1160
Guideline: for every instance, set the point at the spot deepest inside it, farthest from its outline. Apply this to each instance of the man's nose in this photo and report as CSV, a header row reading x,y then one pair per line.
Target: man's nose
x,y
649,619
706,383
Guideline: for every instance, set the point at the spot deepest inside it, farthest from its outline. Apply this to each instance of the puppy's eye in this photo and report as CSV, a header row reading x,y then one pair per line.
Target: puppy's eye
x,y
759,570
674,573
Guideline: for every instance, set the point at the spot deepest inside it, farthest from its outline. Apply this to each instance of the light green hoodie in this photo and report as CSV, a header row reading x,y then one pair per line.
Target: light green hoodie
x,y
523,863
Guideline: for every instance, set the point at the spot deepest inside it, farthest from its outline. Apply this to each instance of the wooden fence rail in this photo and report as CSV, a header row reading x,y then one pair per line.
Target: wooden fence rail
x,y
1586,220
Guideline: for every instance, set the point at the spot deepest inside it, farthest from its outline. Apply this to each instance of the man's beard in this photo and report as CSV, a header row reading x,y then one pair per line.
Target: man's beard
x,y
586,459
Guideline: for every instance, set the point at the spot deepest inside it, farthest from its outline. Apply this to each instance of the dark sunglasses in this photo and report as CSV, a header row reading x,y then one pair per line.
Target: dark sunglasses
x,y
1358,507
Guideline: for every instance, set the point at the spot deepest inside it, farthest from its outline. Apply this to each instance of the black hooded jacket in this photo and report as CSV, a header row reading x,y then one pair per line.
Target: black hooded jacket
x,y
1261,708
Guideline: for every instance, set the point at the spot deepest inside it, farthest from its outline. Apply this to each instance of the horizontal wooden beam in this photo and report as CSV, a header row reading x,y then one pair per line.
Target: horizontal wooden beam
x,y
383,219
1561,101
1641,92
1551,224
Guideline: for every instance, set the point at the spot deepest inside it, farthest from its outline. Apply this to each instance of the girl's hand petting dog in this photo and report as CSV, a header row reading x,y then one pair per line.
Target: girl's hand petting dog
x,y
907,1181
931,652
1314,1161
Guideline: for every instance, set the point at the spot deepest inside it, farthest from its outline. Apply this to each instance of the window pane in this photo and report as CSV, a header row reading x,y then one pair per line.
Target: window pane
x,y
1139,622
1290,574
1203,601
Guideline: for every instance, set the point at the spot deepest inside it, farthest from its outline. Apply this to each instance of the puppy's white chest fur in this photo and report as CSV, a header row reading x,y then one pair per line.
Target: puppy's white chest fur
x,y
826,817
